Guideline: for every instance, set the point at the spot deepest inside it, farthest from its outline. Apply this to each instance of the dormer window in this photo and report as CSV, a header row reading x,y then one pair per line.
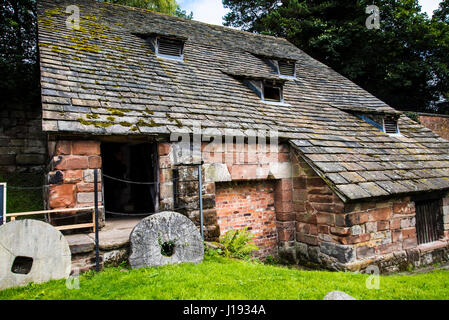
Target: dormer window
x,y
391,125
170,48
385,123
272,92
165,46
269,91
286,68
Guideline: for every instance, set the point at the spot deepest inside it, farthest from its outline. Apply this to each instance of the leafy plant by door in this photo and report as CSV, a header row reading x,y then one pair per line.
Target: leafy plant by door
x,y
237,244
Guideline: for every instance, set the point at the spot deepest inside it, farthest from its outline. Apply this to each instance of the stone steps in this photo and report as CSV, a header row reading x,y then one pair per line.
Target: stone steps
x,y
113,245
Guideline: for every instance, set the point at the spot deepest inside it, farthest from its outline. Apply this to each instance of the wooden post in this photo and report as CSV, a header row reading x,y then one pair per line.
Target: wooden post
x,y
97,249
200,187
93,220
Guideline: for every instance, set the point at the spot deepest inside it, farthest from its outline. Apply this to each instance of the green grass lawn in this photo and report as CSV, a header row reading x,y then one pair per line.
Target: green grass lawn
x,y
221,278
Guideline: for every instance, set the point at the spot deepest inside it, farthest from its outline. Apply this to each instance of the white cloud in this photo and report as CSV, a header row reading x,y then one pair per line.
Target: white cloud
x,y
429,6
212,11
209,11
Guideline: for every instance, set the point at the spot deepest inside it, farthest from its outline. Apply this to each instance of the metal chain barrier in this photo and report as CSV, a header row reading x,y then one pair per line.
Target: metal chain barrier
x,y
130,182
27,188
113,213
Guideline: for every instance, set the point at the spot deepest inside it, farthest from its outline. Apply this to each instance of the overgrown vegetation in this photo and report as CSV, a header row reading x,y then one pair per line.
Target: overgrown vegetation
x,y
414,116
18,53
23,200
237,244
218,278
164,6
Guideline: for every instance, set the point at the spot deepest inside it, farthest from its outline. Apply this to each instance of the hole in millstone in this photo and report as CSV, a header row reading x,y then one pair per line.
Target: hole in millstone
x,y
22,265
168,248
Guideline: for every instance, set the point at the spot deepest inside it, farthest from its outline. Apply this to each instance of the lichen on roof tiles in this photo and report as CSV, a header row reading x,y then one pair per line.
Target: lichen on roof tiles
x,y
104,79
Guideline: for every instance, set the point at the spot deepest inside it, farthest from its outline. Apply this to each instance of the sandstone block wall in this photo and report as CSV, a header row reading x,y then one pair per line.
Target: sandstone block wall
x,y
439,124
71,174
291,211
353,236
22,142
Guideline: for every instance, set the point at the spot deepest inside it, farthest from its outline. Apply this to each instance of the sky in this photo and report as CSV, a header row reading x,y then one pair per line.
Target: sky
x,y
212,11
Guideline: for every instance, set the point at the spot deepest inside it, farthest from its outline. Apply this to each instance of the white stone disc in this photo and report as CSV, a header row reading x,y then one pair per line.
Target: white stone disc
x,y
23,240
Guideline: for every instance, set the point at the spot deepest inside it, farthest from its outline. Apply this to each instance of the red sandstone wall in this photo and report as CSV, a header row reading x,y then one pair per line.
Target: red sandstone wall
x,y
378,228
438,124
353,232
71,174
287,206
316,206
249,204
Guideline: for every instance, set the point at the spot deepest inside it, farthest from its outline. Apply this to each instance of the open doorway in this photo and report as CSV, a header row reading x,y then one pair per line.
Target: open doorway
x,y
130,179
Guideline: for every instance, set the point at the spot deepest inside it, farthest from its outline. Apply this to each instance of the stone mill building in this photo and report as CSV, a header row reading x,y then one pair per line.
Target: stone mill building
x,y
320,171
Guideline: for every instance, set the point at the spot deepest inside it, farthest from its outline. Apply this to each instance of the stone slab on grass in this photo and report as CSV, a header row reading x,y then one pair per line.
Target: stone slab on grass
x,y
338,295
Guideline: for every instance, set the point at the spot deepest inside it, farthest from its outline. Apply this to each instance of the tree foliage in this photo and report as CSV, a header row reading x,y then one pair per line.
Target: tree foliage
x,y
164,6
404,63
18,57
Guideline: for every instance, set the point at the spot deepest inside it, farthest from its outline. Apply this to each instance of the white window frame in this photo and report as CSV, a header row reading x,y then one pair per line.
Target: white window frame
x,y
284,76
281,91
398,131
168,57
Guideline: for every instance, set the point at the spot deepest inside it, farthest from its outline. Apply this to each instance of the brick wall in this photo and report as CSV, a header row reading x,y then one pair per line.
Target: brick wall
x,y
22,142
225,163
438,124
71,175
249,204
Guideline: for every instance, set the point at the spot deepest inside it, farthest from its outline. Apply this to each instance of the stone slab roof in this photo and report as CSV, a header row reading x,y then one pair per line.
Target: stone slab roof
x,y
366,163
103,79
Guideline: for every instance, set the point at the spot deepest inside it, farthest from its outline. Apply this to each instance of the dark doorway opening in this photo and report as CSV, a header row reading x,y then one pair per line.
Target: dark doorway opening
x,y
130,174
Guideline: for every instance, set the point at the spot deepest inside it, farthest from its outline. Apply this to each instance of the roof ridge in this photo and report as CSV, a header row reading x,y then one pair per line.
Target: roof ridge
x,y
194,21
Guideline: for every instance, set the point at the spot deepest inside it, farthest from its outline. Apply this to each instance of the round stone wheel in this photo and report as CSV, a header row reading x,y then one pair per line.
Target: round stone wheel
x,y
165,238
32,251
